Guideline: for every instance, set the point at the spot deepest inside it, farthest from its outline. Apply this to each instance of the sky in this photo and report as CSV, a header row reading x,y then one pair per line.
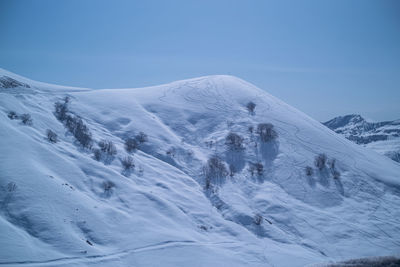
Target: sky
x,y
324,57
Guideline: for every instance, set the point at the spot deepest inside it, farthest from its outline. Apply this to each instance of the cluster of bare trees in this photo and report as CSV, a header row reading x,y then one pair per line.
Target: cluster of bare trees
x,y
73,123
256,168
25,118
133,143
234,141
266,132
214,169
320,162
106,150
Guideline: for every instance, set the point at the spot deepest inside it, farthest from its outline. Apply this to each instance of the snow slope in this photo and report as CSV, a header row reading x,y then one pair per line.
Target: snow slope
x,y
382,137
55,211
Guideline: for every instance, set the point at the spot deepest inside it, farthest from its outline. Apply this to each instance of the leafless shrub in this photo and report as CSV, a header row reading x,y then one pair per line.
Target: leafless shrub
x,y
107,186
232,170
141,137
171,152
11,187
234,141
81,132
97,154
127,163
385,261
12,115
51,136
320,161
309,171
332,164
74,124
266,132
256,168
131,145
26,119
332,167
336,174
61,109
250,107
108,147
214,169
257,219
8,82
209,144
251,129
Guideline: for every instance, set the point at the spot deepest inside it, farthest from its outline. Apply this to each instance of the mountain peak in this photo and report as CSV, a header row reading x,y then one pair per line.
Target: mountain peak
x,y
342,121
383,137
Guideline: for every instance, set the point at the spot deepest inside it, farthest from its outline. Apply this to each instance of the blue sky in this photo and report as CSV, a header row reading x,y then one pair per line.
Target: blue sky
x,y
326,58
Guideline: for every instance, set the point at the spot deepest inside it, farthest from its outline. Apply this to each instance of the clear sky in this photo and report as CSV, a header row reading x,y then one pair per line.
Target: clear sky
x,y
326,58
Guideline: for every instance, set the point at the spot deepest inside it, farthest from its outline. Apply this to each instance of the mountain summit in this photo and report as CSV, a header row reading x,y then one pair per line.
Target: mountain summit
x,y
383,137
210,171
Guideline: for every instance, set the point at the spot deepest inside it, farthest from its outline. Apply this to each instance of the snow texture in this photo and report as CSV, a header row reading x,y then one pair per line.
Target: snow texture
x,y
62,207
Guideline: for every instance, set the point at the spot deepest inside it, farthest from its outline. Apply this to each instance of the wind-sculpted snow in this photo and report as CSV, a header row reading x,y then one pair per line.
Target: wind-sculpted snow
x,y
62,207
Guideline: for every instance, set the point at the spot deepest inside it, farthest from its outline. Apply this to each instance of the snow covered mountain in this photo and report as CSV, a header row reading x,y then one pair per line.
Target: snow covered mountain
x,y
383,137
210,182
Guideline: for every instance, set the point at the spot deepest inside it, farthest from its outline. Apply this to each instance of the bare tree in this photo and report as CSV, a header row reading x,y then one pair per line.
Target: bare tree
x,y
131,145
257,219
108,147
127,163
171,152
214,169
256,168
266,132
234,141
141,137
61,109
320,161
81,133
309,171
26,119
97,154
12,115
107,186
336,174
250,107
51,136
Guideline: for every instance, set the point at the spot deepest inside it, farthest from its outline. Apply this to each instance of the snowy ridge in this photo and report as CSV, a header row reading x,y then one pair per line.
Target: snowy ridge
x,y
56,211
382,137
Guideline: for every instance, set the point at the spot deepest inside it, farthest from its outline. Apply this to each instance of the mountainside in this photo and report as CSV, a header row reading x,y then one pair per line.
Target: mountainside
x,y
214,182
383,137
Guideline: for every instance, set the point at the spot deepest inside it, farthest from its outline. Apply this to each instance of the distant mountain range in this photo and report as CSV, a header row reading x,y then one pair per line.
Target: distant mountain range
x,y
383,137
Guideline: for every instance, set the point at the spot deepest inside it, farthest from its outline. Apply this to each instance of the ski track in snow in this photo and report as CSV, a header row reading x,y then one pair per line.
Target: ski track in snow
x,y
222,106
111,256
